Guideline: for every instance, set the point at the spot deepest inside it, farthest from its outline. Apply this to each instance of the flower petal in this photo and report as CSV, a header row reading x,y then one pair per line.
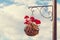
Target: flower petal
x,y
32,18
37,21
25,22
26,17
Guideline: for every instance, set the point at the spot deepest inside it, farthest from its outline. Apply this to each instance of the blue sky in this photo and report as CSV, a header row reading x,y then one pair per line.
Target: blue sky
x,y
6,2
10,2
58,1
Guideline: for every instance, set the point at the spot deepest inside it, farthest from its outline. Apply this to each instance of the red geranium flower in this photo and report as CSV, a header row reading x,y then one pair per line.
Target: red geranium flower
x,y
26,17
32,18
27,22
37,21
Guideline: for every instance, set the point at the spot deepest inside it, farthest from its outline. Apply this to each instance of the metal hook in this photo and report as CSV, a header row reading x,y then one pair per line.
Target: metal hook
x,y
32,11
41,11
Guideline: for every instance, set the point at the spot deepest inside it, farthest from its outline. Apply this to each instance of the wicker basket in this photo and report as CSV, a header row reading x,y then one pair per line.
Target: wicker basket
x,y
31,29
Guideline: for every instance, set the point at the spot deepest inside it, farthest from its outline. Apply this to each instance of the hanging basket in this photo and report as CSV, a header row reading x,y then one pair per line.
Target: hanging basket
x,y
31,29
32,23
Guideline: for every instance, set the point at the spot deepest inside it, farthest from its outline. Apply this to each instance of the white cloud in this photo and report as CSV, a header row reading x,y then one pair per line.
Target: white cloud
x,y
58,10
58,30
58,21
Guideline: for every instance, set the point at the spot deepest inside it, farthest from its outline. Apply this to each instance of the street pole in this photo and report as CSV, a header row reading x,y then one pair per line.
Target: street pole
x,y
54,19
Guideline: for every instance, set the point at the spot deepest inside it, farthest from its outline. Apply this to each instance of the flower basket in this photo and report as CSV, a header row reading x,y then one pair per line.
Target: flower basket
x,y
31,29
31,23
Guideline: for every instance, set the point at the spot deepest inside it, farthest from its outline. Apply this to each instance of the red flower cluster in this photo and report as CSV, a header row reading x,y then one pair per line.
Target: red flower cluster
x,y
31,19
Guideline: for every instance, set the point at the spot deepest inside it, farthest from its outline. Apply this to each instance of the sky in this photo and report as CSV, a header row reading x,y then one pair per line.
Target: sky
x,y
12,14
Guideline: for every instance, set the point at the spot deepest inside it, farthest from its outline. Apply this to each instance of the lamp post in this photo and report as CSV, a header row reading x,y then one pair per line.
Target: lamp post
x,y
55,20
